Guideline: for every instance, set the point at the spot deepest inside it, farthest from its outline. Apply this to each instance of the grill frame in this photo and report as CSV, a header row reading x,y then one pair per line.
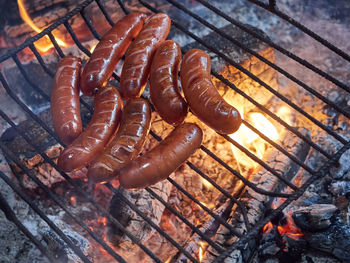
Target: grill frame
x,y
296,193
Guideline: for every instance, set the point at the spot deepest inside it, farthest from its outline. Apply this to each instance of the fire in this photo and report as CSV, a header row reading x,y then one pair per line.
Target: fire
x,y
201,251
250,140
43,44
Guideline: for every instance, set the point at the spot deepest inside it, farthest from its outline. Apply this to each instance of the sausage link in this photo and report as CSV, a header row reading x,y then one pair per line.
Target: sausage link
x,y
109,51
92,141
162,160
127,144
164,88
65,106
202,96
138,59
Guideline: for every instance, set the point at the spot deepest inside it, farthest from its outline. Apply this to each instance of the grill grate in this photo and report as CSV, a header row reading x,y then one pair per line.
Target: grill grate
x,y
296,193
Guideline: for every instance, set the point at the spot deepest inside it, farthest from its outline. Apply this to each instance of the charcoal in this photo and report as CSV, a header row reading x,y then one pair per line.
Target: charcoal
x,y
314,217
335,240
340,188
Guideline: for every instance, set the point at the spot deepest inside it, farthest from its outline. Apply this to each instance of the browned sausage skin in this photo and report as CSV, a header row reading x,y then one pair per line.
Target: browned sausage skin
x,y
202,96
164,89
138,59
109,51
65,107
92,141
127,143
162,160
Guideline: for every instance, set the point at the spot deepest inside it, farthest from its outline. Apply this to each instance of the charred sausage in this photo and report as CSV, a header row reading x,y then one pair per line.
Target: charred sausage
x,y
202,96
109,51
127,143
92,141
164,89
162,160
138,59
65,107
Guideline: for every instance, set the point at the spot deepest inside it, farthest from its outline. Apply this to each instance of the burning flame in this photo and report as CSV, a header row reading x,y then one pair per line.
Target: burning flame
x,y
250,140
43,44
201,251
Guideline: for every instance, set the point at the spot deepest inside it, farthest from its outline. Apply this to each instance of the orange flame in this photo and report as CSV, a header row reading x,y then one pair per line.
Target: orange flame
x,y
43,44
250,140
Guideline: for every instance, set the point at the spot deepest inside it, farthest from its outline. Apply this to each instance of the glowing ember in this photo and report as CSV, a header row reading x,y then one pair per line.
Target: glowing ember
x,y
267,228
73,200
43,44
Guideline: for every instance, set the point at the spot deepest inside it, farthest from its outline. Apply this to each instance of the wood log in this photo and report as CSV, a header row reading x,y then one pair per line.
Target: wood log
x,y
255,203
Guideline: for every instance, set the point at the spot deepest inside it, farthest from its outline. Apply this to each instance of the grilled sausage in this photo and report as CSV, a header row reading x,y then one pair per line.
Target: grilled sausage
x,y
164,89
65,107
162,160
127,144
202,96
109,51
138,59
92,141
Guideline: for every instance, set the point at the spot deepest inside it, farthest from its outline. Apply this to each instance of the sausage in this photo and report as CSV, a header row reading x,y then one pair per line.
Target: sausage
x,y
65,106
109,51
164,89
138,59
162,160
92,141
127,144
202,96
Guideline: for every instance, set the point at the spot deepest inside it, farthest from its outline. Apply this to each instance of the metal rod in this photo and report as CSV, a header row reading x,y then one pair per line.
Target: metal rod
x,y
41,61
103,10
90,26
54,42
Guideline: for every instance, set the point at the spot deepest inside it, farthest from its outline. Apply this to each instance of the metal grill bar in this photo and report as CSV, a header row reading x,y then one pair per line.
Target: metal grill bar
x,y
76,38
106,15
302,28
11,216
272,65
98,37
275,46
255,229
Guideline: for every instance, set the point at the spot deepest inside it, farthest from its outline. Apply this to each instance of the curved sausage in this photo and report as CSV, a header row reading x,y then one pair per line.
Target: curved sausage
x,y
138,59
202,96
162,160
127,144
164,89
92,141
109,51
65,106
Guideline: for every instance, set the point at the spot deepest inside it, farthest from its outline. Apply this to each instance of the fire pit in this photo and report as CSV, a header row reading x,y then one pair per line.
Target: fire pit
x,y
275,190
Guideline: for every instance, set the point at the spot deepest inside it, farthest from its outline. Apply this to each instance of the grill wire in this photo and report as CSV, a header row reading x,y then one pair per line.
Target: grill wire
x,y
295,193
